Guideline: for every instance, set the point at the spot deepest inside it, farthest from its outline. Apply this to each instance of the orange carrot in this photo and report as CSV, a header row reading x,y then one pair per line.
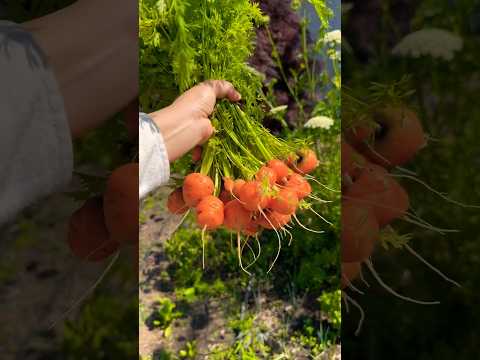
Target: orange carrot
x,y
197,154
298,183
236,217
266,174
196,186
228,184
175,203
225,196
270,219
350,271
285,202
237,185
359,134
398,138
375,188
280,168
121,204
88,236
360,231
251,229
352,161
253,196
210,212
307,162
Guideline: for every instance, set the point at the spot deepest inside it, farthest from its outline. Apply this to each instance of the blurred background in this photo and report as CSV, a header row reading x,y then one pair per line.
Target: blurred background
x,y
427,51
54,305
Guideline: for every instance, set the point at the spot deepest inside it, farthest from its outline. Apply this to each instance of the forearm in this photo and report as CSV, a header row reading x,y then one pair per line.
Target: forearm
x,y
92,46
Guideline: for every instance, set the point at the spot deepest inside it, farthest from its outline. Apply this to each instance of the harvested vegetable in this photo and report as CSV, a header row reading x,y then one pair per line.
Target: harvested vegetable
x,y
196,187
121,204
88,236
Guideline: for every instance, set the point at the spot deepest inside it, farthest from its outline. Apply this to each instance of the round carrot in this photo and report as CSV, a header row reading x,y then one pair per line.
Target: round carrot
x,y
251,229
270,219
225,196
352,161
228,184
359,134
398,138
121,204
285,202
175,203
298,183
236,217
237,185
350,271
197,154
266,174
252,196
360,231
210,212
280,168
375,188
307,162
196,186
88,236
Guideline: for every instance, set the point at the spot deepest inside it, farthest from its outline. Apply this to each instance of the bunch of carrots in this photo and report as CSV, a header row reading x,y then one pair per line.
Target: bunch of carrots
x,y
247,206
104,223
371,196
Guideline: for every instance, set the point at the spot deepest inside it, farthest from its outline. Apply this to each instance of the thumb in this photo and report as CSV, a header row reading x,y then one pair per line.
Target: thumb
x,y
223,89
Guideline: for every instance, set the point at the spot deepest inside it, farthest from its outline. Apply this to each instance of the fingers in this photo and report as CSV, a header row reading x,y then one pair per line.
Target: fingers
x,y
223,89
206,129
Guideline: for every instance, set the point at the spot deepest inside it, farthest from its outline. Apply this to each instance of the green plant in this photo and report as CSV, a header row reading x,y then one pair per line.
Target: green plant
x,y
330,304
185,43
249,342
106,328
190,351
164,315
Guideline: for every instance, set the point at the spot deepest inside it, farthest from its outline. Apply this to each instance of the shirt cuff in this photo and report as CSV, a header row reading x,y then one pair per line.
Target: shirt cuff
x,y
153,157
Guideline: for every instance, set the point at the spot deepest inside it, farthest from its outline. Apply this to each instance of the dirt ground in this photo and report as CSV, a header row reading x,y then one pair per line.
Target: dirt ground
x,y
40,280
205,322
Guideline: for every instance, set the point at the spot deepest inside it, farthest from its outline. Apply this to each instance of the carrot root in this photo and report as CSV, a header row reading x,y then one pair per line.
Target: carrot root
x,y
304,227
320,216
357,305
276,257
88,292
239,254
436,192
430,266
393,292
203,246
310,177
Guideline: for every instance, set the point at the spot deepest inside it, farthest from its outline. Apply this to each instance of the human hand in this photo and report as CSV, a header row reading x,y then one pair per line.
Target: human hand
x,y
90,61
185,123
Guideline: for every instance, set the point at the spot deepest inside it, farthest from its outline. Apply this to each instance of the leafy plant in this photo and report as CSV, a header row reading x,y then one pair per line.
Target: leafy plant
x,y
164,315
330,304
183,44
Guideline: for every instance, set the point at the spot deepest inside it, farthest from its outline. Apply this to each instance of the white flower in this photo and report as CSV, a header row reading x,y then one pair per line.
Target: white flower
x,y
334,54
436,43
334,36
323,122
278,109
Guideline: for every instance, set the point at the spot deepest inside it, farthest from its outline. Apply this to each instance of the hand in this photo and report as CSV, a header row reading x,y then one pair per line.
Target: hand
x,y
185,123
96,66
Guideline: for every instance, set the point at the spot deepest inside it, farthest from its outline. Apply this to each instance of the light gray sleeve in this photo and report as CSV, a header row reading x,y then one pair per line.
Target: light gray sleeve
x,y
35,142
153,157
